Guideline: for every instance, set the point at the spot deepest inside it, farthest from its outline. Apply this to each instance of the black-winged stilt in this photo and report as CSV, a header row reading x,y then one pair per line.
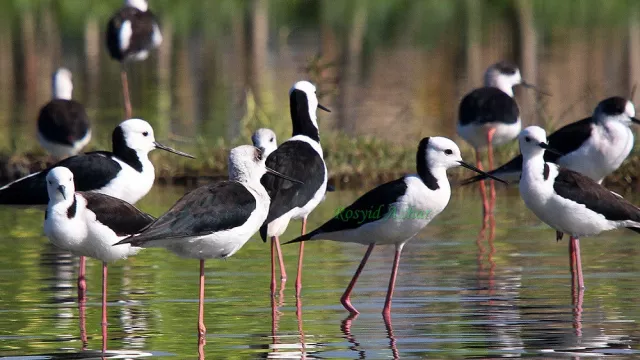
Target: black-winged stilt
x,y
132,32
568,201
215,220
126,173
394,212
300,157
489,115
89,224
595,146
63,124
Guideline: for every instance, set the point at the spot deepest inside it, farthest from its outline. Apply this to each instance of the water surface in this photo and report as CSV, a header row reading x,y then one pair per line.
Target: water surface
x,y
458,294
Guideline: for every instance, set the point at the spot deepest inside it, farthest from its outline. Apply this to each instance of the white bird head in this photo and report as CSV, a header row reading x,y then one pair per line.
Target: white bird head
x,y
142,5
533,142
303,100
137,135
504,76
439,154
60,186
265,140
62,84
616,108
246,164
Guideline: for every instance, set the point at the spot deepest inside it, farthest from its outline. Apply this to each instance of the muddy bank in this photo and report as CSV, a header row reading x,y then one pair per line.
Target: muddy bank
x,y
343,175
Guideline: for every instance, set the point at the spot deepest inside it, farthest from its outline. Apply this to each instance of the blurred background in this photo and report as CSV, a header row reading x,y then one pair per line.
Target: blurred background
x,y
392,71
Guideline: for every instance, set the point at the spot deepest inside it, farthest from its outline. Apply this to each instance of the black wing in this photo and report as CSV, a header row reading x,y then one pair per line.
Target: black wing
x,y
488,105
63,121
581,189
205,210
372,206
565,140
123,218
91,171
300,161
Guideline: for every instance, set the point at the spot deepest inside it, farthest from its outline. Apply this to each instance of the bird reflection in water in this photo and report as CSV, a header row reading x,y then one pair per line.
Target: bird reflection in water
x,y
488,222
577,294
279,347
345,328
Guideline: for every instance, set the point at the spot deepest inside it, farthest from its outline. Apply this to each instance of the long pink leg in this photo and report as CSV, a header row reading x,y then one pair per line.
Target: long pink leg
x,y
386,311
483,189
491,182
300,256
202,330
273,266
346,297
82,281
576,262
125,92
104,307
283,271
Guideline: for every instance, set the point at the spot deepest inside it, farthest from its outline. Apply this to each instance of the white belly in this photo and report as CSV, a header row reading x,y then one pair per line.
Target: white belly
x,y
408,216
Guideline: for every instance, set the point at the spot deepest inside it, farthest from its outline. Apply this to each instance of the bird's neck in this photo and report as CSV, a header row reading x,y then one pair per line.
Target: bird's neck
x,y
136,159
501,83
303,118
62,92
432,177
533,167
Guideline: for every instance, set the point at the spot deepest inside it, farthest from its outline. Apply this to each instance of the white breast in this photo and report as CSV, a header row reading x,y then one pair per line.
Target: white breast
x,y
603,153
131,185
65,233
83,235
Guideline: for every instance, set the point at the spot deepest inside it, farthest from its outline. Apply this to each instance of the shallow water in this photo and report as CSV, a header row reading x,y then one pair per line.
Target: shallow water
x,y
456,296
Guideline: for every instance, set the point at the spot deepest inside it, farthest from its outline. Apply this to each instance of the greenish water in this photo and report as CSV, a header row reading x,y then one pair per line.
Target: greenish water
x,y
456,296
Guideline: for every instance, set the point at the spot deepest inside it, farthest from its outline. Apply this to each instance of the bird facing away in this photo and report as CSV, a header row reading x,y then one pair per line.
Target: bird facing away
x,y
132,32
568,201
595,146
489,115
300,157
63,124
394,212
265,140
215,220
89,224
126,173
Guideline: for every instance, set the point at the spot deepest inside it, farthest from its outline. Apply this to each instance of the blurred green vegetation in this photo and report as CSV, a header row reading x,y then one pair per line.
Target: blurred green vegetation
x,y
204,91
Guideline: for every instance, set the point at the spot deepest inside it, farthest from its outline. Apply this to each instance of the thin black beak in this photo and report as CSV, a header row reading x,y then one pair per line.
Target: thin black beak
x,y
61,189
550,149
533,87
172,150
635,120
320,106
271,171
471,167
